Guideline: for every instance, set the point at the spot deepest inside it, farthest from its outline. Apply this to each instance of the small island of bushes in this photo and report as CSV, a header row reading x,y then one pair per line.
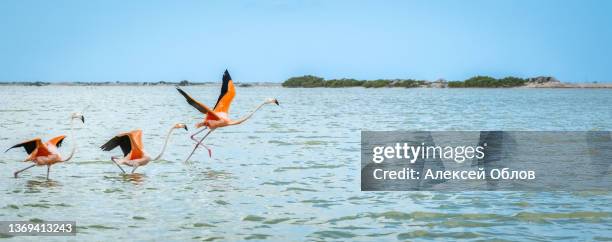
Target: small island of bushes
x,y
310,81
487,81
315,81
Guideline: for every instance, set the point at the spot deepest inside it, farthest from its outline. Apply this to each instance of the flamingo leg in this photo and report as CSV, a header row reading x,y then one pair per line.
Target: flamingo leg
x,y
134,169
113,159
199,142
19,171
201,130
48,169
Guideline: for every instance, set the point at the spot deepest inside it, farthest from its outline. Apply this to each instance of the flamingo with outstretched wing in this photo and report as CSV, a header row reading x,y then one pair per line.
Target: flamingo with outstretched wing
x,y
218,117
47,154
131,145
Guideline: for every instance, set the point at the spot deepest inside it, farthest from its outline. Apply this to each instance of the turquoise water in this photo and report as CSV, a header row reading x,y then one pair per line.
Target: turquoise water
x,y
289,173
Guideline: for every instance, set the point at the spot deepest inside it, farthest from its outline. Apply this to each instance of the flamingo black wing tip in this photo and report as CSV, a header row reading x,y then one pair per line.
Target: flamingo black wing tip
x,y
181,91
14,146
226,76
60,142
108,146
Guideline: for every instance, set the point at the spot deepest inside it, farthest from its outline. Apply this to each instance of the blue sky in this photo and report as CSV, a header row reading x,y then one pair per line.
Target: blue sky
x,y
274,40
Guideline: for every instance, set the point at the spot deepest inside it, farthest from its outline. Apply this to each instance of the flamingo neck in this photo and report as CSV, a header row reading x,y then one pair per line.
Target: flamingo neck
x,y
73,142
165,145
239,121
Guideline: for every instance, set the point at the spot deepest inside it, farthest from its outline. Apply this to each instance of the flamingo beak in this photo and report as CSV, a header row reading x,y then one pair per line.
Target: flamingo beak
x,y
186,128
276,101
82,118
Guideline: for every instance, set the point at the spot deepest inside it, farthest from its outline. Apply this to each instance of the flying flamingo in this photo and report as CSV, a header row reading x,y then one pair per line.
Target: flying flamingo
x,y
218,116
46,153
133,149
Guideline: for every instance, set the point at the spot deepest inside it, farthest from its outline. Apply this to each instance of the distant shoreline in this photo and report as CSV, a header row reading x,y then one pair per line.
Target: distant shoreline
x,y
253,84
374,84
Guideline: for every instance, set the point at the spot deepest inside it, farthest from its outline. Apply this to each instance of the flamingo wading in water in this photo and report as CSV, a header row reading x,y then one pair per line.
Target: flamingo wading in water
x,y
133,149
217,117
46,154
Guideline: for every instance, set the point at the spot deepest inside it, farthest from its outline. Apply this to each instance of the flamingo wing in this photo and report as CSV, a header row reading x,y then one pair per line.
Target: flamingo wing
x,y
136,144
122,140
29,145
33,147
57,141
197,105
227,94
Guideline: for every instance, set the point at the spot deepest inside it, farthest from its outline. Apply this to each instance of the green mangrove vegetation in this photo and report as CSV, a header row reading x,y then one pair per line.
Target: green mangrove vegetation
x,y
487,81
310,81
315,81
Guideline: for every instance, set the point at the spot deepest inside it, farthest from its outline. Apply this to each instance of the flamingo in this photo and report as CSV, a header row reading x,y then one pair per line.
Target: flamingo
x,y
133,149
217,117
47,154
